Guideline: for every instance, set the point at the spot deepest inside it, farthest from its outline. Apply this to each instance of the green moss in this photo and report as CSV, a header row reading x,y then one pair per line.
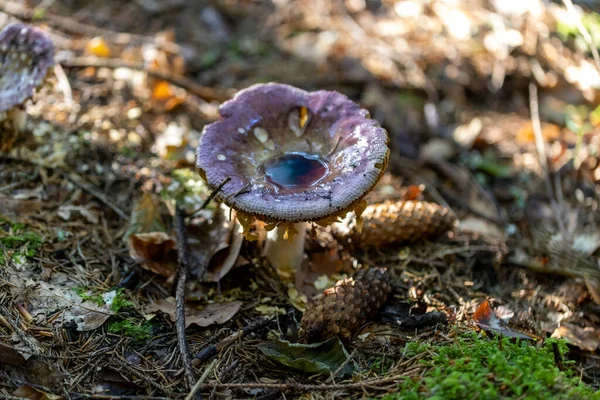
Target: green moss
x,y
120,302
17,241
381,365
86,294
475,367
139,332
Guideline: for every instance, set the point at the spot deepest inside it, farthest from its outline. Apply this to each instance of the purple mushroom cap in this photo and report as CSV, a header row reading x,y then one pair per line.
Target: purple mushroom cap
x,y
292,155
26,53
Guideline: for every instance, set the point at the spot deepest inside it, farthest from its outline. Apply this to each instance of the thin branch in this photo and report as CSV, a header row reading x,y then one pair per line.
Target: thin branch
x,y
543,159
372,383
204,92
184,269
211,196
91,189
70,25
213,349
202,379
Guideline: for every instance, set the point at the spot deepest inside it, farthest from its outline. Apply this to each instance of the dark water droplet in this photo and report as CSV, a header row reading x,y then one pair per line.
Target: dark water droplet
x,y
295,170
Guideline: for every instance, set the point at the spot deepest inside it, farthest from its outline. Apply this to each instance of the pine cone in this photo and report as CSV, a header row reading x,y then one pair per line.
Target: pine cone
x,y
344,307
397,222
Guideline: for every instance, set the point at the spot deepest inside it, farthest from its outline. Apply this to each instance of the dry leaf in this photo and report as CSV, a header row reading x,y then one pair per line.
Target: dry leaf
x,y
145,216
486,319
45,299
587,338
593,286
225,259
215,313
155,251
28,392
10,356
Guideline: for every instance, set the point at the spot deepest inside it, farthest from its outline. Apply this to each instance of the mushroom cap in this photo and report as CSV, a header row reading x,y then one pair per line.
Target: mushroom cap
x,y
26,53
267,121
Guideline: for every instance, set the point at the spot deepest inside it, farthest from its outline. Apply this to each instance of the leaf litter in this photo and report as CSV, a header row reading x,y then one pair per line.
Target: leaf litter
x,y
123,123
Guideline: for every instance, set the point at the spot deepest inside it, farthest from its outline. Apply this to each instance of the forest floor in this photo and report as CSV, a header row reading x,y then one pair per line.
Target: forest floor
x,y
491,110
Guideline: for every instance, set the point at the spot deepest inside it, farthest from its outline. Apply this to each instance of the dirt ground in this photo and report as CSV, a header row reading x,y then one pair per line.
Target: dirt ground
x,y
491,111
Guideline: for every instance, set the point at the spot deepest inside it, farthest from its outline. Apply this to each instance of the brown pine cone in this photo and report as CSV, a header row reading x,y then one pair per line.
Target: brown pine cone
x,y
344,307
397,222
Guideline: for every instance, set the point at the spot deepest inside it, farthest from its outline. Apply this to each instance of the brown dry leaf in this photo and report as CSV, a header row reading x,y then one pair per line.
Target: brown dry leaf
x,y
155,251
28,392
223,260
10,356
593,286
215,313
587,338
145,216
486,319
12,207
217,243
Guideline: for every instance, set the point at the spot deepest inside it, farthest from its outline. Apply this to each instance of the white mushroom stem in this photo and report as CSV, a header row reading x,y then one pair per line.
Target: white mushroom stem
x,y
285,255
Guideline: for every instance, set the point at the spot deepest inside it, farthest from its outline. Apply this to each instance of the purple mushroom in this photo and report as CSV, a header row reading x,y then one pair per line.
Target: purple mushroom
x,y
293,157
26,54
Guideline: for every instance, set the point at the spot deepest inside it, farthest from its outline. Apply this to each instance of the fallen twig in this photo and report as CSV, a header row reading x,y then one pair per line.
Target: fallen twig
x,y
70,25
203,378
372,384
81,183
184,269
213,349
204,92
211,196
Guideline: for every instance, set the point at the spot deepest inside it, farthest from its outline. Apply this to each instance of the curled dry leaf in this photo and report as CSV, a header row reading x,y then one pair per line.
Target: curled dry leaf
x,y
225,250
486,319
215,313
155,251
31,393
147,240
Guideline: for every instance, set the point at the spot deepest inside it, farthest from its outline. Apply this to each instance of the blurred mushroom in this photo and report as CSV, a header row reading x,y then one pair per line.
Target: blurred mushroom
x,y
293,157
26,55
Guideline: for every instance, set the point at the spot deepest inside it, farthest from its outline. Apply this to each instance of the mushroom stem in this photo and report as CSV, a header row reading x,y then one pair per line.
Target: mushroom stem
x,y
286,255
